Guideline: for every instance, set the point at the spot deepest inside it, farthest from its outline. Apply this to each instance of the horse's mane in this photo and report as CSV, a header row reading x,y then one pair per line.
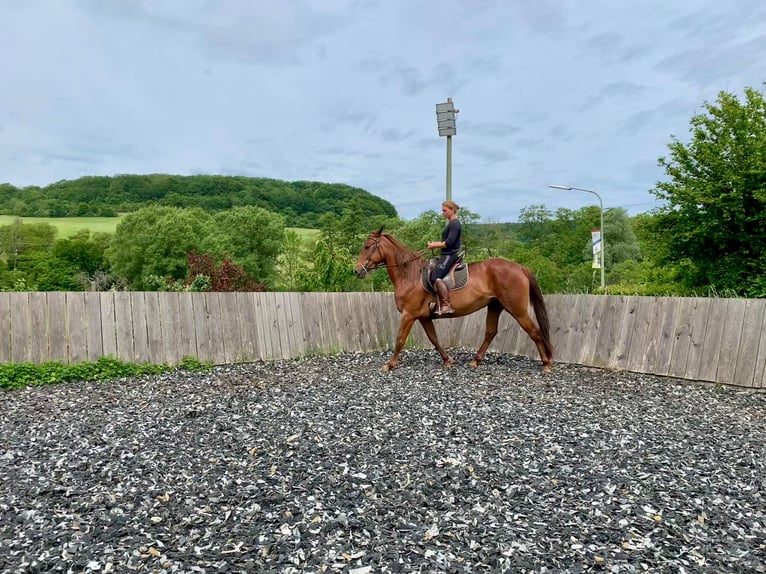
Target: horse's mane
x,y
408,261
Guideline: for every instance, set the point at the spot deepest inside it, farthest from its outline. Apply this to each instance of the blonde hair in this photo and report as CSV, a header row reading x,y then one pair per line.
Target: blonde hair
x,y
451,204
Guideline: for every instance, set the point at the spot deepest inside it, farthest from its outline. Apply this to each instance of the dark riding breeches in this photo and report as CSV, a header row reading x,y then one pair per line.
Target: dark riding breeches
x,y
443,266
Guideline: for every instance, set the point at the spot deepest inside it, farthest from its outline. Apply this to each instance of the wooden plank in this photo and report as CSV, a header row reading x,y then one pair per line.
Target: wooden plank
x,y
249,330
270,324
681,337
368,321
752,330
276,320
697,338
140,327
38,324
622,347
671,306
266,349
231,328
216,328
711,347
289,325
334,337
557,311
187,307
610,324
108,324
154,328
759,376
591,325
312,323
201,327
58,335
569,345
350,320
20,327
123,320
730,341
169,319
296,330
323,312
644,359
5,328
78,327
388,320
638,340
93,326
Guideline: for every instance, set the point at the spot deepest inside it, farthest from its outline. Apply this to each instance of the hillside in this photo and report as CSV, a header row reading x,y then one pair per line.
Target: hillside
x,y
301,202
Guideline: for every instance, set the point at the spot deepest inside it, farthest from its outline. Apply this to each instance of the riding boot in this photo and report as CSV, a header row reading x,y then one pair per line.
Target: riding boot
x,y
445,308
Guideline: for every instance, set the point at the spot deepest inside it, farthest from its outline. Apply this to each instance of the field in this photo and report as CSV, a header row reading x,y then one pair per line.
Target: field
x,y
68,226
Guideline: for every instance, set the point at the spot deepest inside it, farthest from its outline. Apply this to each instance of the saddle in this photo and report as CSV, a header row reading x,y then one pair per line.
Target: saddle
x,y
456,279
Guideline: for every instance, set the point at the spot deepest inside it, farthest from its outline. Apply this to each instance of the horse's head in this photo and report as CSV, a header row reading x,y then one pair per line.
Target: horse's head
x,y
371,257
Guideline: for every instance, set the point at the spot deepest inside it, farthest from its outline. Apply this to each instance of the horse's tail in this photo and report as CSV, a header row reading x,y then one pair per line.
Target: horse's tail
x,y
541,312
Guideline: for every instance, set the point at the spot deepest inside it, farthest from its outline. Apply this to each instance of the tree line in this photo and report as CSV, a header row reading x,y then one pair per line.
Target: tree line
x,y
300,202
708,238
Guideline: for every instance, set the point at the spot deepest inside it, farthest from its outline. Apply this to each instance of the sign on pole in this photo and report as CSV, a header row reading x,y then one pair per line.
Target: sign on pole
x,y
596,240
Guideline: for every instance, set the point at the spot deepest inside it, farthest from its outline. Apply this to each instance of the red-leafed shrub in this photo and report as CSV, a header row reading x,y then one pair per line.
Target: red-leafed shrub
x,y
226,277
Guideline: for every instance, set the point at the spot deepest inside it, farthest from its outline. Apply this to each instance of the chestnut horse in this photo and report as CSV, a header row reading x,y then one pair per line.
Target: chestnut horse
x,y
498,284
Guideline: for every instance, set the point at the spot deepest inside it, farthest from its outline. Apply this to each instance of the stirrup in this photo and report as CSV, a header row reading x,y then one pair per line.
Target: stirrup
x,y
449,310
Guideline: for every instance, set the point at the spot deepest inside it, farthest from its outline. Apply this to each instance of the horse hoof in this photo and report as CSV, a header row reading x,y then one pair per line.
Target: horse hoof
x,y
547,369
474,364
449,364
387,367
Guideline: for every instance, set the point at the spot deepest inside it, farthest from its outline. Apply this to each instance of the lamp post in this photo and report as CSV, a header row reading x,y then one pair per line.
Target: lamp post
x,y
601,208
445,120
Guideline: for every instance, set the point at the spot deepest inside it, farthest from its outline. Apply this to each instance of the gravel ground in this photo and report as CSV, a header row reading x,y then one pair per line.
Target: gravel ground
x,y
329,465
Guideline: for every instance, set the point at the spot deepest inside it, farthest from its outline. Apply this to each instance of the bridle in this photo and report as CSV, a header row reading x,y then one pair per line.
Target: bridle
x,y
382,263
373,248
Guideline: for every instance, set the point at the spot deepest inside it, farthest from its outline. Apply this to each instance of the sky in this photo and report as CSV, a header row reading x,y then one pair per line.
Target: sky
x,y
581,93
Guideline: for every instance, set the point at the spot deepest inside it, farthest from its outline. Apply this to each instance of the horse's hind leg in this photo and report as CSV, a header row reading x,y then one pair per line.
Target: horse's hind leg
x,y
534,333
490,330
428,327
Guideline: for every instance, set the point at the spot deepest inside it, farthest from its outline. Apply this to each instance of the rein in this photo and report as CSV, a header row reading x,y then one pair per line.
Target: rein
x,y
382,263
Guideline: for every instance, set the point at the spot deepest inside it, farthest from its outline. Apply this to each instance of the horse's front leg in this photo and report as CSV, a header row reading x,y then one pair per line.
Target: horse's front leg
x,y
405,325
428,327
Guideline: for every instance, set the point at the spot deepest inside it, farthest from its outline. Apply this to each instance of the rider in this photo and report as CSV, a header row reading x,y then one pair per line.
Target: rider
x,y
450,248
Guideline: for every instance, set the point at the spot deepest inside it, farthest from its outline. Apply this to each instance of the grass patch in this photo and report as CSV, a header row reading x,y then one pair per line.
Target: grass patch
x,y
68,226
20,375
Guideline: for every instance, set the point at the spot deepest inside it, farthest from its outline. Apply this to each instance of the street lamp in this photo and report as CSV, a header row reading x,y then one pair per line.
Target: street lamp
x,y
601,206
445,121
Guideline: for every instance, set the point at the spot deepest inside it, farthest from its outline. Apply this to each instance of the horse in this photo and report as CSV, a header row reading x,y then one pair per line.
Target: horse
x,y
497,284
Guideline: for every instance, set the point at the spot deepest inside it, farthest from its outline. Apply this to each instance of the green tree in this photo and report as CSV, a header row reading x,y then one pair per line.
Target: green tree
x,y
155,241
291,262
715,217
20,238
84,252
252,237
331,270
43,271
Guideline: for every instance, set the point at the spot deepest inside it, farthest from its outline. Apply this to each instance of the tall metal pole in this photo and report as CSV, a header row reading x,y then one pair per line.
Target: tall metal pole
x,y
445,121
449,168
601,209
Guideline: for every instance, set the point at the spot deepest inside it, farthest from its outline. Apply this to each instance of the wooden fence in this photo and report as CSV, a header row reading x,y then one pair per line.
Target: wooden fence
x,y
718,340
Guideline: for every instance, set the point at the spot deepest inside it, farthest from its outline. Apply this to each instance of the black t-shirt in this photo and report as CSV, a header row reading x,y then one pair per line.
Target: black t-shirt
x,y
452,235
